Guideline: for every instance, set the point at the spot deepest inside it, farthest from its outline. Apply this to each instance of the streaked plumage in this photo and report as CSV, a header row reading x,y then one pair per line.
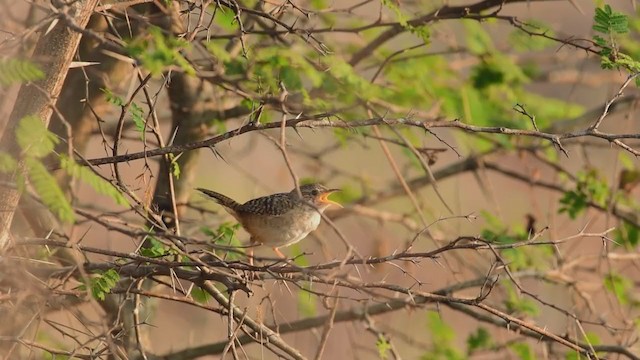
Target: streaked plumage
x,y
281,219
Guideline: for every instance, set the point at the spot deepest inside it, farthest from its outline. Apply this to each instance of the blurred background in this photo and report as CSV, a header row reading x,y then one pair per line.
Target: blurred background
x,y
554,226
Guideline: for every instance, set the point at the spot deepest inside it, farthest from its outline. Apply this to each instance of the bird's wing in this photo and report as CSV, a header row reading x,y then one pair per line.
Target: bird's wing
x,y
274,205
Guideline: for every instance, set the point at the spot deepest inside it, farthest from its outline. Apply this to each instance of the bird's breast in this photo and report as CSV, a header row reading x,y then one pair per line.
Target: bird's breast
x,y
283,230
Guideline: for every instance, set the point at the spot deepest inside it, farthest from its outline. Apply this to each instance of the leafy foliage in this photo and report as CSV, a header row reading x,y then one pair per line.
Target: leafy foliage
x,y
47,188
102,284
608,21
442,336
15,71
523,351
589,187
134,110
7,163
100,185
158,51
225,234
383,346
613,24
199,295
627,235
154,248
518,304
34,138
622,287
479,340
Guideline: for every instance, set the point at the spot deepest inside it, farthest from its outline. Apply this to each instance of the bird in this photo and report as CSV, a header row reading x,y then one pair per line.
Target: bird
x,y
281,219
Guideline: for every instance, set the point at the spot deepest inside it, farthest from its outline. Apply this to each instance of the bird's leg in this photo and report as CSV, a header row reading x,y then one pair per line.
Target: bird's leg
x,y
250,255
253,242
279,253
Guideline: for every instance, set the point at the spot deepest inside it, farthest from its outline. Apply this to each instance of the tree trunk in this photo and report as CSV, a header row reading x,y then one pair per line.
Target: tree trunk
x,y
56,50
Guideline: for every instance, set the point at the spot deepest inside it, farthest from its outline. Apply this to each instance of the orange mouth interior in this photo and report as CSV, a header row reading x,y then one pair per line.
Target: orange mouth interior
x,y
325,198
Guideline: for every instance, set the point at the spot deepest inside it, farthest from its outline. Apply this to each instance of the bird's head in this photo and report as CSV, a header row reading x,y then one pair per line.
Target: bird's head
x,y
318,195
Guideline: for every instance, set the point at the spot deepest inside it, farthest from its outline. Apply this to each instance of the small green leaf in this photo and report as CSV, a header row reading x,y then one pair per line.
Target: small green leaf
x,y
112,98
522,350
137,117
479,340
627,235
226,19
440,331
102,284
47,188
383,346
478,40
620,286
174,166
517,304
226,235
218,50
15,71
7,163
307,305
100,185
199,295
154,248
157,51
34,138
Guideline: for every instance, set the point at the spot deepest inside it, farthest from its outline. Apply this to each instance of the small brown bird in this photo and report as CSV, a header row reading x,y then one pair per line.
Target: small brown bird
x,y
281,219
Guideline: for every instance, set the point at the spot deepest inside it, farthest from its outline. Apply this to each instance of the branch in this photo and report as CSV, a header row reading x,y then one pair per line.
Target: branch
x,y
312,122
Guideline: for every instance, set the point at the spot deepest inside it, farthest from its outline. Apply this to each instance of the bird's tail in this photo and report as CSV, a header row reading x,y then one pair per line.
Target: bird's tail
x,y
225,201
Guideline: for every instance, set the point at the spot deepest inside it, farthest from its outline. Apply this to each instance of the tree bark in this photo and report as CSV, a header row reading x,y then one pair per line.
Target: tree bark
x,y
56,50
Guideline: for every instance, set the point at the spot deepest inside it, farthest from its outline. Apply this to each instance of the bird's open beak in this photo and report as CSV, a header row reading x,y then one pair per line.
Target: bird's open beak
x,y
325,197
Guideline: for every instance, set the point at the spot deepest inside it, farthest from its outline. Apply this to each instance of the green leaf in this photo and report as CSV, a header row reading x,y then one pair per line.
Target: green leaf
x,y
225,234
218,50
522,350
225,18
100,185
573,203
199,295
102,284
440,331
7,163
522,41
15,71
157,51
136,115
627,235
607,21
589,187
318,4
478,40
517,304
620,286
479,340
442,338
112,98
34,138
47,188
154,248
347,194
383,346
307,303
485,75
174,165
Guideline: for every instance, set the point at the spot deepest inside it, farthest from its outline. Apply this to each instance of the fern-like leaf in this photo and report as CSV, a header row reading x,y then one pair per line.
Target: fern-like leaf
x,y
48,190
15,71
100,185
34,138
7,162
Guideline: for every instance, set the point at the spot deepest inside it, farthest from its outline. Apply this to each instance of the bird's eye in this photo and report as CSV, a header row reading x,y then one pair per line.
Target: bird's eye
x,y
315,192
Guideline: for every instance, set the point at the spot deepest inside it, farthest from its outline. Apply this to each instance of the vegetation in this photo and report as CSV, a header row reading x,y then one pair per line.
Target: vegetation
x,y
486,152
